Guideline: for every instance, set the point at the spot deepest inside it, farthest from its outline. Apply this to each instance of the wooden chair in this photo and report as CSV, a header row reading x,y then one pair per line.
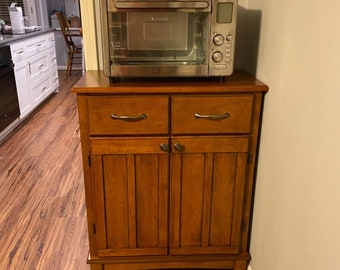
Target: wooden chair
x,y
75,53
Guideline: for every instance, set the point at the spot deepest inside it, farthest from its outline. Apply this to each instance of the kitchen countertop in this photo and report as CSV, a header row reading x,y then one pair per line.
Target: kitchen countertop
x,y
9,38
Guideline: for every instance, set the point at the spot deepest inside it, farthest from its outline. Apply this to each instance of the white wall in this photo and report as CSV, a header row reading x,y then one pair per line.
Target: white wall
x,y
296,222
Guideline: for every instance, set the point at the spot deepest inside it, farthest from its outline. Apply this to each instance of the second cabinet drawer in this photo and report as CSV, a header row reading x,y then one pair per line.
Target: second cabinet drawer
x,y
128,115
38,65
217,114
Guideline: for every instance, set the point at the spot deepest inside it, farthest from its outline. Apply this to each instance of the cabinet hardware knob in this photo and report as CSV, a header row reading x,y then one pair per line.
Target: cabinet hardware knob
x,y
129,117
179,147
164,147
213,116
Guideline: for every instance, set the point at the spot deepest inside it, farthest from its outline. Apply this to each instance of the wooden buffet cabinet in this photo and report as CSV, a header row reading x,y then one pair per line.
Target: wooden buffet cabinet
x,y
169,170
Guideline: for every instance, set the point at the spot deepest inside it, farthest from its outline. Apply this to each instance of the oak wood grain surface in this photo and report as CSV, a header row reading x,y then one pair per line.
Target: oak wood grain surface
x,y
43,215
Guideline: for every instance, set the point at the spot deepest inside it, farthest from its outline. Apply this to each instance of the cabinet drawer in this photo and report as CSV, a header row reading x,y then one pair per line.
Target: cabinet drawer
x,y
52,58
40,89
18,51
38,65
217,114
37,45
23,49
50,40
54,79
128,115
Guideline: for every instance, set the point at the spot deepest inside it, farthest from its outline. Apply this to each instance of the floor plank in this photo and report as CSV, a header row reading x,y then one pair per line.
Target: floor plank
x,y
42,213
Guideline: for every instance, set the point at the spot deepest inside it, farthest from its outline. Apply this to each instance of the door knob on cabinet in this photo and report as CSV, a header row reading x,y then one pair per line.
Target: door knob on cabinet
x,y
179,147
164,147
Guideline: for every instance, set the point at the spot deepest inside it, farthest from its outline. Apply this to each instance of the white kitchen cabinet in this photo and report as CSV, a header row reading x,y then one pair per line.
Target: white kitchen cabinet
x,y
35,70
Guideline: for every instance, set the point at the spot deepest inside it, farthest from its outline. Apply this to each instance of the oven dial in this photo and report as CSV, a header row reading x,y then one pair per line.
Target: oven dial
x,y
229,37
217,57
218,40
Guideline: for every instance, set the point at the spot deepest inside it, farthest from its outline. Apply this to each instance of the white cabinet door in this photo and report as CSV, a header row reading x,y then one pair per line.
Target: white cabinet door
x,y
21,79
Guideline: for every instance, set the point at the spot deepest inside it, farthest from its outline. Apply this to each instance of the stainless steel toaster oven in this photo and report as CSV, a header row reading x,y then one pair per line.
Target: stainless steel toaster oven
x,y
161,38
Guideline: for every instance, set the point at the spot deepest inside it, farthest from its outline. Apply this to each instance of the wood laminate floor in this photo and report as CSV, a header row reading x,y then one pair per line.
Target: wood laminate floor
x,y
42,202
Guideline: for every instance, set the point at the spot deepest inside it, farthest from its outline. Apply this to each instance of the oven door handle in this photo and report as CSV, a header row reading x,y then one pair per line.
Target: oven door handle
x,y
161,4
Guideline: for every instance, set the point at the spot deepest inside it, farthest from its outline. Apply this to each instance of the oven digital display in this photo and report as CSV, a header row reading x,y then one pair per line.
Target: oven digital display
x,y
224,12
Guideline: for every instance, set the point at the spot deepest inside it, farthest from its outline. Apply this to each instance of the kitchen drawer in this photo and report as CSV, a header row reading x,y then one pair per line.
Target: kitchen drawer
x,y
151,115
18,51
37,45
211,114
52,58
38,65
40,89
54,78
50,39
23,49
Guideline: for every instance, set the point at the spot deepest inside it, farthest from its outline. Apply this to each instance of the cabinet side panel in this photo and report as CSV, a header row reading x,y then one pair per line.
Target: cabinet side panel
x,y
251,170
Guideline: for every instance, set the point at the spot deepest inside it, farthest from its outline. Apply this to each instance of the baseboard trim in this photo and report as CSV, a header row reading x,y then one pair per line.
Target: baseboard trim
x,y
73,68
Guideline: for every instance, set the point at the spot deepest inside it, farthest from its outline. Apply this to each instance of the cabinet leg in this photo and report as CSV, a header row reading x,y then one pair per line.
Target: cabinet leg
x,y
96,267
240,265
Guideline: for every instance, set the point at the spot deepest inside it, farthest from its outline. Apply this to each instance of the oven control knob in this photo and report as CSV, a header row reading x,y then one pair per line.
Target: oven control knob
x,y
217,57
218,40
229,37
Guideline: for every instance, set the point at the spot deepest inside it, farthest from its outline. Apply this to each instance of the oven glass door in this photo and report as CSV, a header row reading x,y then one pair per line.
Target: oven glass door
x,y
158,37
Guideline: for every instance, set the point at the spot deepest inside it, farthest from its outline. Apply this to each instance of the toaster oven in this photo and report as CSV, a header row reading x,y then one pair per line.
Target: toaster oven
x,y
168,38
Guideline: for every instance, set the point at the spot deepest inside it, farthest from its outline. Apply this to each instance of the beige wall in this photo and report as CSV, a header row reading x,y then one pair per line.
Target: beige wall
x,y
89,34
297,207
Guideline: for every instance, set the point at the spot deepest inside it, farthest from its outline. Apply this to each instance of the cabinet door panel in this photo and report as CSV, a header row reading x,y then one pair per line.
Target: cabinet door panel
x,y
135,202
206,197
116,200
192,191
222,199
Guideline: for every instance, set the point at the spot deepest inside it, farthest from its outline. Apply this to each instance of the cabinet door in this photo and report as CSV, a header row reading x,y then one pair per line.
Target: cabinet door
x,y
207,186
21,80
131,196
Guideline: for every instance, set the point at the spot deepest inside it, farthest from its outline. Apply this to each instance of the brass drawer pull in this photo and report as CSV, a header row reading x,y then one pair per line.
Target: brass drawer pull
x,y
129,117
212,116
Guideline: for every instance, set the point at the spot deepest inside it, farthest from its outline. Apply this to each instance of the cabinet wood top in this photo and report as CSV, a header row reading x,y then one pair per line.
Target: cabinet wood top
x,y
240,81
